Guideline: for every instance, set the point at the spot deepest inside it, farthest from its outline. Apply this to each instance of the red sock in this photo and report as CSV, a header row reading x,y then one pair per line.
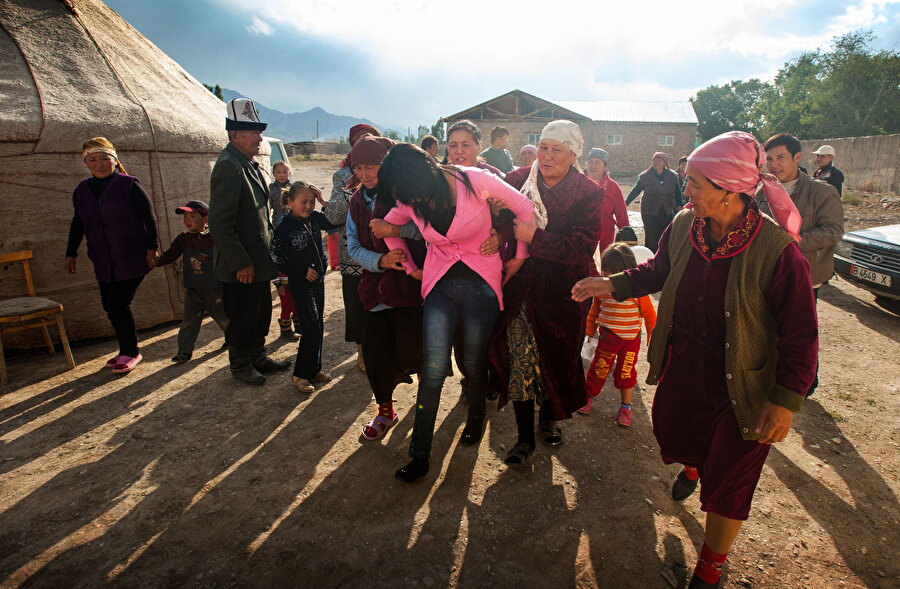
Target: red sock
x,y
709,565
386,409
691,474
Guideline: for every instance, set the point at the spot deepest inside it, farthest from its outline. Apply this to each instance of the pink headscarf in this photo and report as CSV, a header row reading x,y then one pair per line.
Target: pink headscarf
x,y
733,160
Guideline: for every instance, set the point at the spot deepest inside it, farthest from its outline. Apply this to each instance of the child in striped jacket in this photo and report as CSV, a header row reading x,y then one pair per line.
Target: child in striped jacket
x,y
620,334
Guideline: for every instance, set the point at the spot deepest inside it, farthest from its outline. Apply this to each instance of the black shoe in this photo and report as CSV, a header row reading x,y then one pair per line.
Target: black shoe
x,y
683,487
181,357
698,583
471,434
551,435
267,366
492,395
416,469
248,375
464,391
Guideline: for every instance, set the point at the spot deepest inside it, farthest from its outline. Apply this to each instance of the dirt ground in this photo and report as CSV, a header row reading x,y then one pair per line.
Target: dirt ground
x,y
176,475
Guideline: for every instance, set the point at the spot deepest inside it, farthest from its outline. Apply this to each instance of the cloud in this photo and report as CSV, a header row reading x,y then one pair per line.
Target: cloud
x,y
260,27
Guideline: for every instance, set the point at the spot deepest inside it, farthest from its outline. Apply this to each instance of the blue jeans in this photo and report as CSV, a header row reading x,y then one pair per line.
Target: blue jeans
x,y
472,304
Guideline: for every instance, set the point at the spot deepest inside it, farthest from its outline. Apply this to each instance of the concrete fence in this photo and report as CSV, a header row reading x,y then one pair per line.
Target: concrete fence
x,y
871,163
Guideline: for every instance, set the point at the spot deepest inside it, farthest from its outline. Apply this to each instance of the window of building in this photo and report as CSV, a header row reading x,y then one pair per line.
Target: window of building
x,y
614,140
666,140
534,138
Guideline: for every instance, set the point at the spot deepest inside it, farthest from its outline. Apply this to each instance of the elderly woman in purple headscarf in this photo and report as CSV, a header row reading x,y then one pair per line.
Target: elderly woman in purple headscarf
x,y
735,344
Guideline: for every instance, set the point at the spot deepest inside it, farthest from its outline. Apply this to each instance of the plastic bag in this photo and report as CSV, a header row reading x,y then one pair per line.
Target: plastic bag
x,y
588,348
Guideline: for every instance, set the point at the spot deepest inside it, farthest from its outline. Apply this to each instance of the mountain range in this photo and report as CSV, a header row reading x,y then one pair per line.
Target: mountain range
x,y
301,126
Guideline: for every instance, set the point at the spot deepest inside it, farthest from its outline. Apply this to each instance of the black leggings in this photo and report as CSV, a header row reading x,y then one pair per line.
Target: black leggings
x,y
116,299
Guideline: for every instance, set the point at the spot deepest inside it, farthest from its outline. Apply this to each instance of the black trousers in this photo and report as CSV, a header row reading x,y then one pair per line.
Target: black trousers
x,y
391,347
116,299
309,308
249,311
353,309
654,225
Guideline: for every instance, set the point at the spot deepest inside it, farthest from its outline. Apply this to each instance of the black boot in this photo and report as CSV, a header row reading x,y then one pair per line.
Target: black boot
x,y
287,332
683,487
471,434
416,469
241,367
266,365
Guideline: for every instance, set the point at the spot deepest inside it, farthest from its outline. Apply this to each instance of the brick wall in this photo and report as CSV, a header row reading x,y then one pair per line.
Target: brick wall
x,y
632,156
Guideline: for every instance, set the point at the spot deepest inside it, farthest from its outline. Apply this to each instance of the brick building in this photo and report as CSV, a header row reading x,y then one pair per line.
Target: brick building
x,y
630,131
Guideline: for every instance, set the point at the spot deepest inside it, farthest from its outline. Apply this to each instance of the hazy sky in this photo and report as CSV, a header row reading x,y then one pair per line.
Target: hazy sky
x,y
406,63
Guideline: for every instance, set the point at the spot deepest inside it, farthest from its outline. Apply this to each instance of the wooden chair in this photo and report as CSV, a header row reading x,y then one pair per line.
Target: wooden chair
x,y
31,312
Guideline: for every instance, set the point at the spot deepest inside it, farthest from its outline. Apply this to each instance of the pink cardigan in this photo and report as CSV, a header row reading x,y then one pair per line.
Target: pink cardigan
x,y
470,227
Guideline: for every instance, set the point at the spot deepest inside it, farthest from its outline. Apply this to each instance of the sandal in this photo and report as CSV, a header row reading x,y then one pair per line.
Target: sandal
x,y
126,364
379,426
519,453
551,435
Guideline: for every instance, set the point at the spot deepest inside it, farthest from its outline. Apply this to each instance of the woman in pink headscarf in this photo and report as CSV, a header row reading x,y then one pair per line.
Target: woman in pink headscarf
x,y
736,342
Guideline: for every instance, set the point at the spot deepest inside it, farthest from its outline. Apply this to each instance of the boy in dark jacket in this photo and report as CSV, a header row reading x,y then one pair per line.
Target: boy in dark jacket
x,y
203,293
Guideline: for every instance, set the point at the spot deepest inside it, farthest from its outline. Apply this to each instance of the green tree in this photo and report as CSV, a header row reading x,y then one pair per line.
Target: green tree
x,y
847,91
860,89
217,91
391,134
422,131
437,129
727,108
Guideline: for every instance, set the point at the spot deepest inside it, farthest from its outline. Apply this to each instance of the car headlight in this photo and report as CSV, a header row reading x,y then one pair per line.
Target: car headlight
x,y
843,249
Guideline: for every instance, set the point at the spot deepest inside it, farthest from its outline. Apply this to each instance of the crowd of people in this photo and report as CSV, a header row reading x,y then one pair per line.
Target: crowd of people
x,y
494,264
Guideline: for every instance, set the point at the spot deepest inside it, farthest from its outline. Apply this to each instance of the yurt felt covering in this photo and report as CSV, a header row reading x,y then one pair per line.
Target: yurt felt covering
x,y
74,70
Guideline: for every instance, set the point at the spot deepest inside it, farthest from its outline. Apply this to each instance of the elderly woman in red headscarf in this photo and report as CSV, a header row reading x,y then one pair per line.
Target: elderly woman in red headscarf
x,y
735,345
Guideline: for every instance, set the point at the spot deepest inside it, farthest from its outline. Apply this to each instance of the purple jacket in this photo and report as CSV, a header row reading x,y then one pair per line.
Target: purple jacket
x,y
115,233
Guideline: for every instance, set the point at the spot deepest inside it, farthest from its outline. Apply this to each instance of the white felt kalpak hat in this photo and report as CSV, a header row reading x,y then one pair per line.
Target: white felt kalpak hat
x,y
241,115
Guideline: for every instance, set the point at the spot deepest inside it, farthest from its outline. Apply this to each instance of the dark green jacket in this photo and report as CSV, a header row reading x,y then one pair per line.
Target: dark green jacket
x,y
239,218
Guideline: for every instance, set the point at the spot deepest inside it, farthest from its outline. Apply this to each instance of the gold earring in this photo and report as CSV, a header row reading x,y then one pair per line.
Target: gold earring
x,y
725,201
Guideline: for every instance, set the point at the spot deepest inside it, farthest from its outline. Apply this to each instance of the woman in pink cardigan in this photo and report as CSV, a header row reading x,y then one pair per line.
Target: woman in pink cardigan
x,y
460,285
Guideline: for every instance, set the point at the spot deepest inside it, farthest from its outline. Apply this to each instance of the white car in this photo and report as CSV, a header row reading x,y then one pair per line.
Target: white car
x,y
270,152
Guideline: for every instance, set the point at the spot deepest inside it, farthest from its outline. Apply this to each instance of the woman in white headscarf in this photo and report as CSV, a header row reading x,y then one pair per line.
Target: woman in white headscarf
x,y
535,350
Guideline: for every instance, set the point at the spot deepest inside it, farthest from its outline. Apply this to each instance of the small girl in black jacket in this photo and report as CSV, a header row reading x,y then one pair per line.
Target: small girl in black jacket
x,y
296,251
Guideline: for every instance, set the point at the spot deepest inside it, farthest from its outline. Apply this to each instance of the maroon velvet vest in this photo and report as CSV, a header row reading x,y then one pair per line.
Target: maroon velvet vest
x,y
115,233
391,287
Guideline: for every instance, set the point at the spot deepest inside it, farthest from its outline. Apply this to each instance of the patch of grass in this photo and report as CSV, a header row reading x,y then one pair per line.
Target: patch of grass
x,y
872,402
845,396
851,198
870,185
835,416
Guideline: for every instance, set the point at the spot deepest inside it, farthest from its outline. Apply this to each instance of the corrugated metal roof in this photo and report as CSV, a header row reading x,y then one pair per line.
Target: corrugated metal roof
x,y
629,111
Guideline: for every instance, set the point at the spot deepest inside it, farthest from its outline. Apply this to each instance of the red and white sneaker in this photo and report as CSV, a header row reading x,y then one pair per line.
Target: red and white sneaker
x,y
111,363
624,417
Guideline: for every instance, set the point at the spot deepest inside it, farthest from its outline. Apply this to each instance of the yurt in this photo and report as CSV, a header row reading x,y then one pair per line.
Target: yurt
x,y
71,70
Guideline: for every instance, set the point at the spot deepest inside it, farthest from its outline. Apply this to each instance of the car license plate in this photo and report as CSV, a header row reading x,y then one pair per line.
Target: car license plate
x,y
869,275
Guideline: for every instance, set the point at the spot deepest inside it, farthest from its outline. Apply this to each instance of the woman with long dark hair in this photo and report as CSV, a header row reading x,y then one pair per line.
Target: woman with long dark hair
x,y
460,285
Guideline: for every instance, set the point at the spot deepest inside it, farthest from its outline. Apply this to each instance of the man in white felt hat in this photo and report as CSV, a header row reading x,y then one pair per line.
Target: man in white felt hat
x,y
826,171
239,221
